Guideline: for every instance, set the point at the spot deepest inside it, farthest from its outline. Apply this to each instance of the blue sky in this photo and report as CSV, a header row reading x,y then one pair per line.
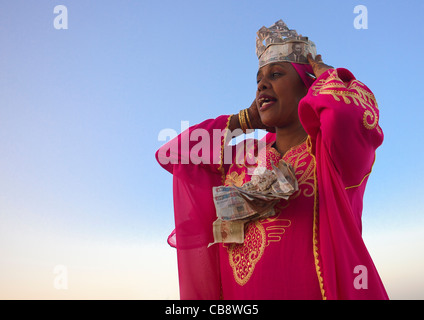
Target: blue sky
x,y
82,109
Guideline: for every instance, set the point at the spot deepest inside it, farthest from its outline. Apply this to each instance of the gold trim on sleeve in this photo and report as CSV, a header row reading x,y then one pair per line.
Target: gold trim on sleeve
x,y
363,179
315,226
223,143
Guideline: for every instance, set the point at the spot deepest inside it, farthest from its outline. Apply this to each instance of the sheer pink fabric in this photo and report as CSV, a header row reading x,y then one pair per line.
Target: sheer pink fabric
x,y
340,116
194,211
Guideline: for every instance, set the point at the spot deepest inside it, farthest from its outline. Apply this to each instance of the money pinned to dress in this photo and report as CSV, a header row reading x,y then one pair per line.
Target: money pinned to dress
x,y
227,231
230,205
236,206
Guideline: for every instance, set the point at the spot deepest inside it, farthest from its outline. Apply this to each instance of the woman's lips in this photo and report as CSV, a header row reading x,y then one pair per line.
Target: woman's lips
x,y
266,105
265,102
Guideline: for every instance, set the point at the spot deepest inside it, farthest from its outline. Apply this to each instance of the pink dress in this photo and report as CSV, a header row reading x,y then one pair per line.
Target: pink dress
x,y
276,260
312,248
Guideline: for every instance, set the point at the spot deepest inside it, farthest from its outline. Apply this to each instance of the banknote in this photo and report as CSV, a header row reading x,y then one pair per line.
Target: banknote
x,y
286,174
236,206
268,185
230,205
225,231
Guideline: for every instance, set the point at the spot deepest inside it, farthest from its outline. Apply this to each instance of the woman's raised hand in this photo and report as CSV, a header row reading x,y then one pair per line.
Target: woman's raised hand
x,y
318,65
255,118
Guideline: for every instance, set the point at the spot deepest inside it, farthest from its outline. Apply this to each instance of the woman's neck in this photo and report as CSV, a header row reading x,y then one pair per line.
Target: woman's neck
x,y
287,138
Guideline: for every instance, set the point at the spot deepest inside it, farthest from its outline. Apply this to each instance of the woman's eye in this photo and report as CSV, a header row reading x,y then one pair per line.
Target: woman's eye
x,y
272,76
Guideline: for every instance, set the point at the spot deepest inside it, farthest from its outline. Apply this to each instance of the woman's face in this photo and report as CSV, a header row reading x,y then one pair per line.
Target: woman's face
x,y
278,94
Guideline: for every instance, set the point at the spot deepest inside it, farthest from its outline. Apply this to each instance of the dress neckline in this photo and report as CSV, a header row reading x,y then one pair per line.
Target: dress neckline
x,y
301,145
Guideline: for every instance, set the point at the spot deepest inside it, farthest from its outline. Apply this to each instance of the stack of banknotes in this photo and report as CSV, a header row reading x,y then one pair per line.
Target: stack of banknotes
x,y
255,200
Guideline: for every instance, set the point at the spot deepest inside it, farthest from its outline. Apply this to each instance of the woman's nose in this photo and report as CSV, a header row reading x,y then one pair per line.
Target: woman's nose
x,y
263,84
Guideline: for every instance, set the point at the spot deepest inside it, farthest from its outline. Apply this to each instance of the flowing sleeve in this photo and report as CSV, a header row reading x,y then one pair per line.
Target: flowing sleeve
x,y
340,114
204,145
196,159
344,112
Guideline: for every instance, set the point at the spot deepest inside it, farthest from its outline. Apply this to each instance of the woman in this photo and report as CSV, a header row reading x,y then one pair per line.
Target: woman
x,y
324,123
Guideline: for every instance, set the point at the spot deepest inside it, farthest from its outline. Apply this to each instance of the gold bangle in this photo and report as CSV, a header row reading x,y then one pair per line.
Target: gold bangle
x,y
242,121
248,119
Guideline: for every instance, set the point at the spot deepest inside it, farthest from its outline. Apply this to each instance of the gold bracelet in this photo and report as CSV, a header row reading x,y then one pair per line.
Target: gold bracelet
x,y
248,119
242,120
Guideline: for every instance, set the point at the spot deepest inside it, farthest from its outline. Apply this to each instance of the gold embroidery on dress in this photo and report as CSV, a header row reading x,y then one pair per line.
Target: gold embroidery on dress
x,y
258,235
356,91
275,232
298,158
223,144
315,225
235,179
243,257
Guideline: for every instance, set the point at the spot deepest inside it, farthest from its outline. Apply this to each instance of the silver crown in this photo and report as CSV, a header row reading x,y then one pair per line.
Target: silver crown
x,y
279,43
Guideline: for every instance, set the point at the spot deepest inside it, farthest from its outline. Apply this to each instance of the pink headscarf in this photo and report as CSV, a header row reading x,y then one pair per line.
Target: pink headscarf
x,y
302,70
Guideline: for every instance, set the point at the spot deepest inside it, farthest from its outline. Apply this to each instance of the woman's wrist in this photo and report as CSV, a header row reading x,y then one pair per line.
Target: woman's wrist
x,y
244,120
254,119
247,119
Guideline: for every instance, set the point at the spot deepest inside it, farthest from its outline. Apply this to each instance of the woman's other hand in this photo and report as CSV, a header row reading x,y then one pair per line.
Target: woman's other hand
x,y
318,65
255,118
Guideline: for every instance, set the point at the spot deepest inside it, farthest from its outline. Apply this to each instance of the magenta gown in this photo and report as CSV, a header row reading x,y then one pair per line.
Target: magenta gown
x,y
313,247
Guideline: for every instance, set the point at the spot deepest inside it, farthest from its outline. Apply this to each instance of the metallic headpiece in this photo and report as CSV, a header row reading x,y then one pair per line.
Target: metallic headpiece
x,y
280,44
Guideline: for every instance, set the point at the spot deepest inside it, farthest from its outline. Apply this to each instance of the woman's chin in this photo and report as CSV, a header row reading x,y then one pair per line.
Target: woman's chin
x,y
269,122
